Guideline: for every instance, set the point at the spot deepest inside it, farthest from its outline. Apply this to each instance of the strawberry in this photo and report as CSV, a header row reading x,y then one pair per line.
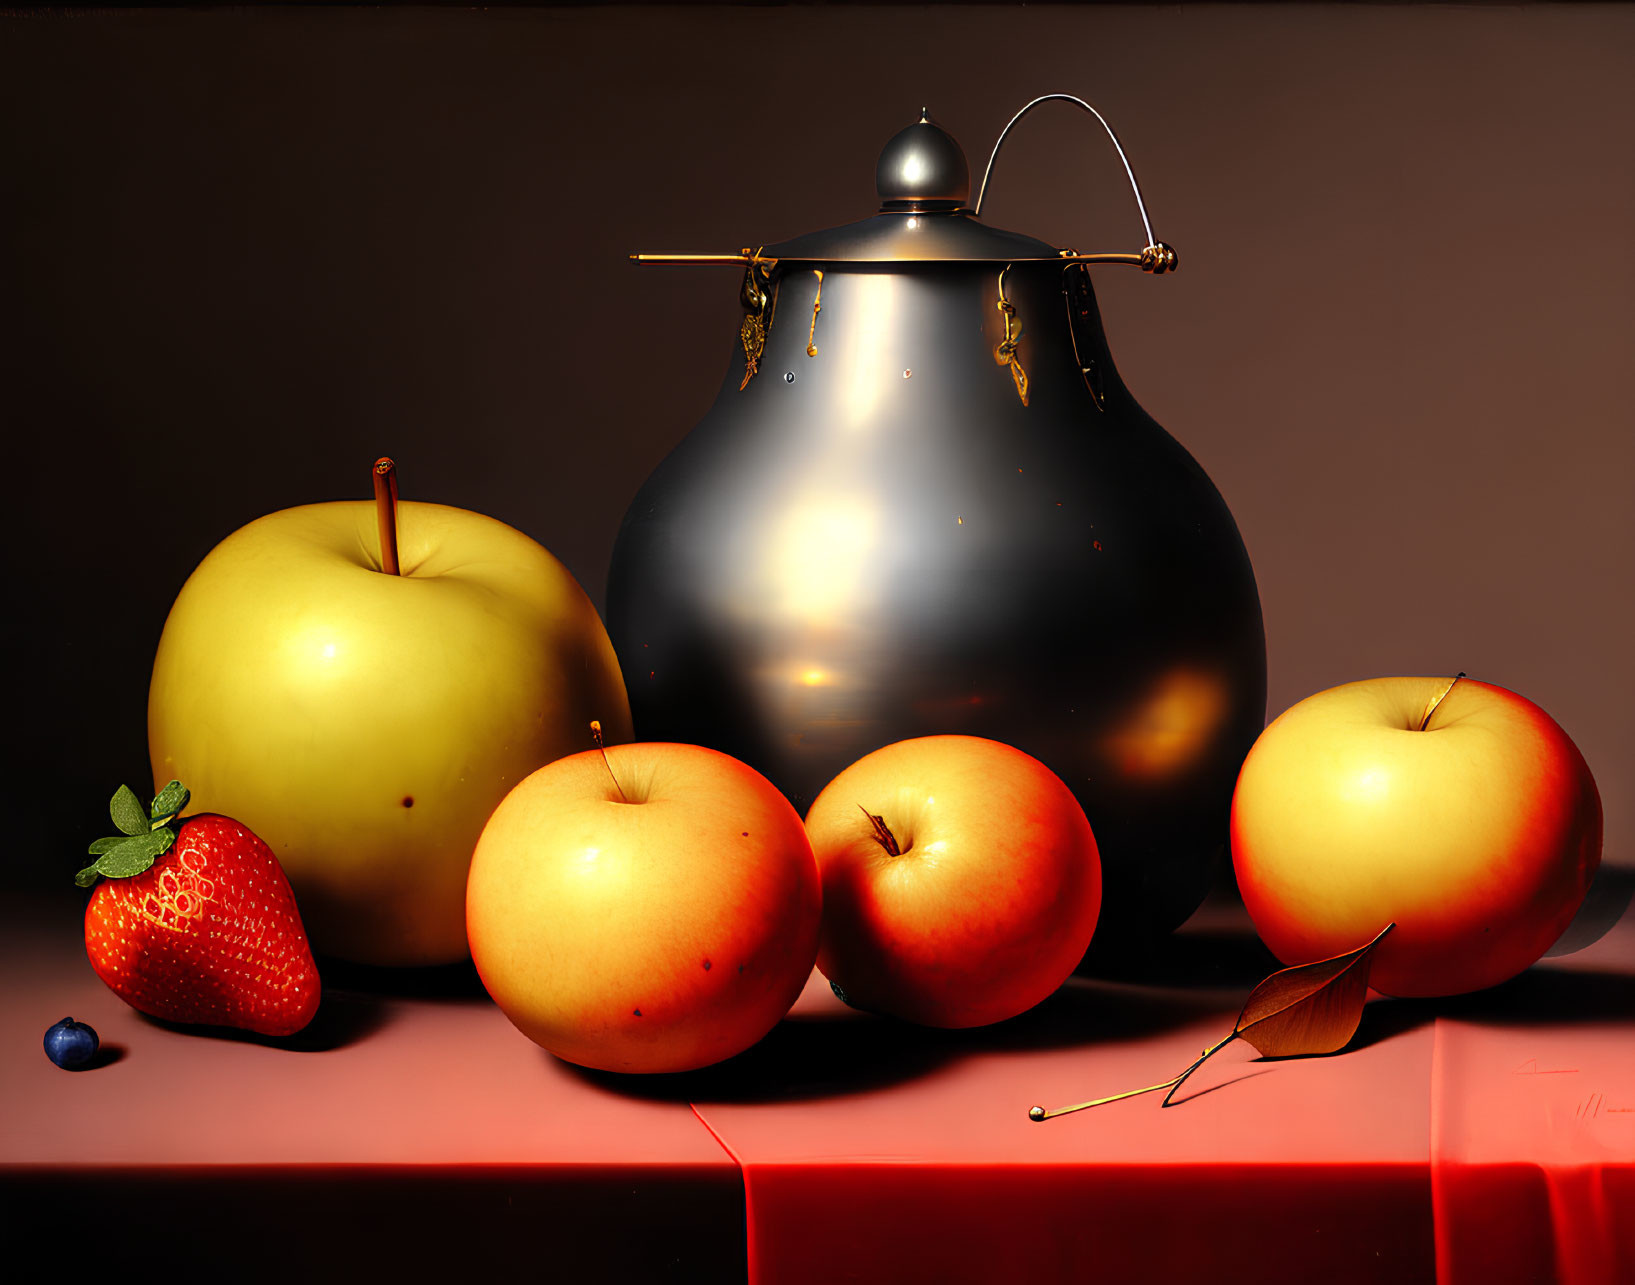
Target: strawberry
x,y
195,921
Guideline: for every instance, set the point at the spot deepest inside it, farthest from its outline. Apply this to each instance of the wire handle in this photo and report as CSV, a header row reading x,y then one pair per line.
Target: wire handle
x,y
1157,257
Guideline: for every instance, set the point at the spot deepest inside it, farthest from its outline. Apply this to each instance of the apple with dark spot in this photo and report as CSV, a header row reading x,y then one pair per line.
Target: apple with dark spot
x,y
654,908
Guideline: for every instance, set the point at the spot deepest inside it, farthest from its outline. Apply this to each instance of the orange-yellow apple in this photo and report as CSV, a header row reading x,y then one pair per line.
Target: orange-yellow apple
x,y
366,724
657,911
1477,836
961,882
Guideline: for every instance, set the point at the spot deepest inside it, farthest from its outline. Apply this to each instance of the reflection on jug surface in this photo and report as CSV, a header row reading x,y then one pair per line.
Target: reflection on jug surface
x,y
924,502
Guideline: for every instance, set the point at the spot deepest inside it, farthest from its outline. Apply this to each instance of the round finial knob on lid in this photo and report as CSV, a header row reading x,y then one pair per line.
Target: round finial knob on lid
x,y
922,168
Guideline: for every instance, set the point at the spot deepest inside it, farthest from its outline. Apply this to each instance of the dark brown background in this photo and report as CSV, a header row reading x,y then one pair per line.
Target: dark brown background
x,y
244,251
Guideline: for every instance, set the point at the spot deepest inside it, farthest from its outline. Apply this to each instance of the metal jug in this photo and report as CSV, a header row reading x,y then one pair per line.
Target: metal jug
x,y
925,502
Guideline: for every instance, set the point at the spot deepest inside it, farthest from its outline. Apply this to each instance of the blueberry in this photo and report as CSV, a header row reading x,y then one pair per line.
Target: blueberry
x,y
70,1044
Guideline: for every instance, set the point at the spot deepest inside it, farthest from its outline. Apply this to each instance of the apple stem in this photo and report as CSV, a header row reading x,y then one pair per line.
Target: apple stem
x,y
596,735
1431,708
882,832
386,513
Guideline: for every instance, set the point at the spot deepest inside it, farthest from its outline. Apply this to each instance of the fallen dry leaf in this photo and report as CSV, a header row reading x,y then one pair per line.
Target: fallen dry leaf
x,y
1296,1012
1310,1008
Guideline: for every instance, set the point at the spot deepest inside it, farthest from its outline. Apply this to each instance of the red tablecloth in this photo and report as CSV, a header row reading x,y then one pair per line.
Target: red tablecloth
x,y
1485,1139
396,1138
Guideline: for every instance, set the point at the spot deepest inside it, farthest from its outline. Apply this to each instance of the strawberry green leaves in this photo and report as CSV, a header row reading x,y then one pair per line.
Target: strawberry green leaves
x,y
171,800
127,813
1296,1012
144,835
128,857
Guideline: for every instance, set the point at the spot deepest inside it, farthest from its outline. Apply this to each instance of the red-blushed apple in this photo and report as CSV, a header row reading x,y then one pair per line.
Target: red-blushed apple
x,y
654,911
961,882
1462,813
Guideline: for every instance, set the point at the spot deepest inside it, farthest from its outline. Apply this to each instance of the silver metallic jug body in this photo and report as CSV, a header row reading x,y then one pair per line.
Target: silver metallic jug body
x,y
933,507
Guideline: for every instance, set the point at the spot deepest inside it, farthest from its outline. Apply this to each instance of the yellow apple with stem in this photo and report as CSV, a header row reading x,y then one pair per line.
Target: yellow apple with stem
x,y
651,908
1456,809
361,684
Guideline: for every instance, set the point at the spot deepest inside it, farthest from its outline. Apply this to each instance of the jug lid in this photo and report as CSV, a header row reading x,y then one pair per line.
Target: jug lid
x,y
924,216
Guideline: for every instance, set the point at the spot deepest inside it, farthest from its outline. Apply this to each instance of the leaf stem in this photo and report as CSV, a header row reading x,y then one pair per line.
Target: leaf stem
x,y
1204,1057
386,513
1038,1114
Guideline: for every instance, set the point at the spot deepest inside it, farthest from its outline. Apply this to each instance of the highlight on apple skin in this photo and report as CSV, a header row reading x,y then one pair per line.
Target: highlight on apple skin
x,y
1478,836
654,911
961,881
366,724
